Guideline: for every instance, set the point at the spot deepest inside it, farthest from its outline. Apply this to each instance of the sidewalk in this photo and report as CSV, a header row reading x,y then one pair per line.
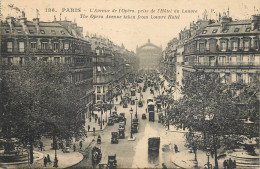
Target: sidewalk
x,y
94,124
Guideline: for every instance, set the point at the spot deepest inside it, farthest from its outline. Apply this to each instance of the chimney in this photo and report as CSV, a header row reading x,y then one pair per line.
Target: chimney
x,y
23,22
255,21
224,21
36,21
10,21
80,31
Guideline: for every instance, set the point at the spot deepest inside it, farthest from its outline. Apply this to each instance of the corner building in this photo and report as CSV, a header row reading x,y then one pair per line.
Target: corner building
x,y
59,42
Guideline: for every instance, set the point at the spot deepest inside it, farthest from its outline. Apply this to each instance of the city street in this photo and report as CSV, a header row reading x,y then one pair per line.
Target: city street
x,y
134,154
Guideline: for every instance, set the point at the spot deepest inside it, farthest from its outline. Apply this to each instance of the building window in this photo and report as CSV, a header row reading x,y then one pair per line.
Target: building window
x,y
234,45
201,47
67,60
215,31
256,44
33,45
228,77
223,45
31,32
204,32
9,46
236,30
56,59
45,59
7,30
21,61
55,46
239,77
21,46
222,60
10,60
248,29
98,89
42,31
34,59
225,31
53,32
44,45
104,89
98,97
66,45
246,45
19,31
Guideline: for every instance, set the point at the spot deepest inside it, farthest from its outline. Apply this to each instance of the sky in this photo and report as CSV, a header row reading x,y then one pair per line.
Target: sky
x,y
132,32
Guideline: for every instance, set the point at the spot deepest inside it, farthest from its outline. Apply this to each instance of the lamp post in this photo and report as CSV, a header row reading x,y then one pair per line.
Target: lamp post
x,y
106,111
209,166
208,118
131,134
101,118
136,101
110,107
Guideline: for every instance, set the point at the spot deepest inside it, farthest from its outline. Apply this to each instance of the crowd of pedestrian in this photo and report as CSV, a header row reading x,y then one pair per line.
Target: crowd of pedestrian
x,y
229,164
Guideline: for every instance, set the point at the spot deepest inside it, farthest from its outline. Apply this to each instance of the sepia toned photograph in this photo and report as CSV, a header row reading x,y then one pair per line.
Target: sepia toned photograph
x,y
106,84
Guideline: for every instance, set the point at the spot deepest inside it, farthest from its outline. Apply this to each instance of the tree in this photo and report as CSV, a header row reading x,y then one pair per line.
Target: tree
x,y
207,106
41,101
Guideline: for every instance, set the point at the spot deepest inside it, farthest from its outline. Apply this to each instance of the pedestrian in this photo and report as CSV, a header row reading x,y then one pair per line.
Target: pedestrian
x,y
234,164
94,129
90,119
99,121
41,145
225,164
74,147
80,144
230,162
115,108
88,128
48,158
164,166
176,148
45,161
212,153
103,122
95,119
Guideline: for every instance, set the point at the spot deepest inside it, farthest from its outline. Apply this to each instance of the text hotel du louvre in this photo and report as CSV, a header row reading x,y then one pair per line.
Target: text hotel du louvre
x,y
130,84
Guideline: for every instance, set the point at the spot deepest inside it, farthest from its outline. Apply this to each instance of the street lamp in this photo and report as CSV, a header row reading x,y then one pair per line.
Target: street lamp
x,y
101,118
208,118
110,107
131,134
136,100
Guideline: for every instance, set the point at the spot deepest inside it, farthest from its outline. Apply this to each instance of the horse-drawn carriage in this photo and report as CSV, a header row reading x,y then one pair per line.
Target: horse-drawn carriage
x,y
140,103
110,121
114,138
121,133
112,162
96,155
99,139
132,102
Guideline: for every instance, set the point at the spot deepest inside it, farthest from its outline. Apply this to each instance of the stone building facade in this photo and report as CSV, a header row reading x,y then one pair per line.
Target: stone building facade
x,y
148,55
58,42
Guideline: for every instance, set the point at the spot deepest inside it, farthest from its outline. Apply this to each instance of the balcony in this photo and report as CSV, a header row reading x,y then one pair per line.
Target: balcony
x,y
227,50
224,64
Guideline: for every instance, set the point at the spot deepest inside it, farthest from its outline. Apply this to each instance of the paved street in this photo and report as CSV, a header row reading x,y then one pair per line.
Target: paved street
x,y
134,154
